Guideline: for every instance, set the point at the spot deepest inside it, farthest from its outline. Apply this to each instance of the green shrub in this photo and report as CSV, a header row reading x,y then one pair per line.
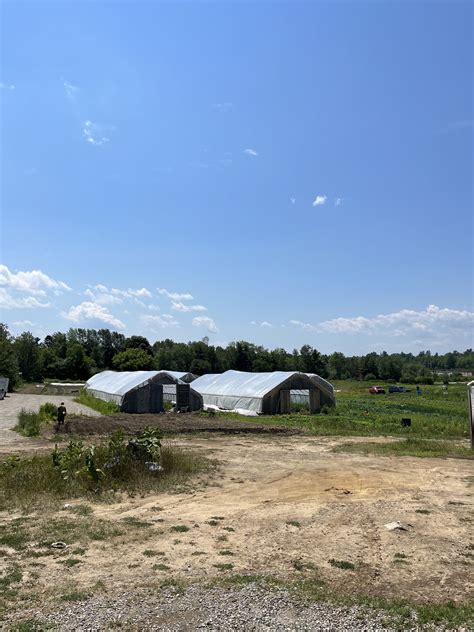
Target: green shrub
x,y
28,424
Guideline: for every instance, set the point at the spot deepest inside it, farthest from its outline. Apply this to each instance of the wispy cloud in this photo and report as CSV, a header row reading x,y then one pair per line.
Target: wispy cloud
x,y
70,90
250,152
157,322
305,326
93,134
23,323
293,200
338,202
224,107
175,296
103,295
31,282
181,307
89,310
6,86
320,200
205,321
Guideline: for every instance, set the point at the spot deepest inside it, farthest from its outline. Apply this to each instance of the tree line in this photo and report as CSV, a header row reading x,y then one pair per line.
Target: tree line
x,y
79,353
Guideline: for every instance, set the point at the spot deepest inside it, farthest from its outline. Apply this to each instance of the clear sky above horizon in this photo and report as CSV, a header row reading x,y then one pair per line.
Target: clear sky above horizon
x,y
284,173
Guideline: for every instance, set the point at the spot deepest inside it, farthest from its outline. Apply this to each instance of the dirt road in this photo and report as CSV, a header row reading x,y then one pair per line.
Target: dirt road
x,y
14,402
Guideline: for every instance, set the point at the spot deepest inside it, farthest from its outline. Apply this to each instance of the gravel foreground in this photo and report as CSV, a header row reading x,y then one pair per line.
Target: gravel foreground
x,y
241,609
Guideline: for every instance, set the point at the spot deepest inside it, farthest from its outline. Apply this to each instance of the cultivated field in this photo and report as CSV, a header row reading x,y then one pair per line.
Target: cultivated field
x,y
301,514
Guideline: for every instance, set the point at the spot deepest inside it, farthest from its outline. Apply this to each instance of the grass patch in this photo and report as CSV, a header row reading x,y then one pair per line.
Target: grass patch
x,y
300,565
180,528
409,447
229,529
423,511
434,414
151,553
226,552
294,523
342,564
70,562
161,567
104,408
93,472
224,567
75,595
213,523
132,521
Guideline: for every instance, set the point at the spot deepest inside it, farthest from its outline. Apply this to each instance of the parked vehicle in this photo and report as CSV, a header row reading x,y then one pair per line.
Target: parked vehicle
x,y
398,389
377,390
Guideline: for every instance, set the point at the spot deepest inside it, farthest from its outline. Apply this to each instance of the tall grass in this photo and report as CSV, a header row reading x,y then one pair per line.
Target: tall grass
x,y
105,408
37,480
29,423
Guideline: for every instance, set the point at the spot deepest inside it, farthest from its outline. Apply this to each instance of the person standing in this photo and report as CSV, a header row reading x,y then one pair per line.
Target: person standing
x,y
62,412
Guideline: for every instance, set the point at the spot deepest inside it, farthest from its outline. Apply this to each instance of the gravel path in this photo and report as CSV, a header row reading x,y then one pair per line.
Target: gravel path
x,y
240,609
14,402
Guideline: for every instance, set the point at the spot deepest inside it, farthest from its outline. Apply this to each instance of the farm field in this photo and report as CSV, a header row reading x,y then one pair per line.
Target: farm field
x,y
298,513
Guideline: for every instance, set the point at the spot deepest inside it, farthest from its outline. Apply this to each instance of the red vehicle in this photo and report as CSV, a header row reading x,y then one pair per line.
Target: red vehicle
x,y
377,390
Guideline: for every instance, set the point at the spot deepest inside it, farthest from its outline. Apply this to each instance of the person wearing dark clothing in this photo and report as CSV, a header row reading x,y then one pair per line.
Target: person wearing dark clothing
x,y
62,412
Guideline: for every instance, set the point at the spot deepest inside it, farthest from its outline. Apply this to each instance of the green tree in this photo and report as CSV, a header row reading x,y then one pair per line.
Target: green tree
x,y
28,355
8,357
133,360
78,365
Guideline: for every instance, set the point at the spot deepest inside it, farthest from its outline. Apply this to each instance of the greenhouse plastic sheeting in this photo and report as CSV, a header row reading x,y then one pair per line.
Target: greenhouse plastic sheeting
x,y
237,389
116,384
301,396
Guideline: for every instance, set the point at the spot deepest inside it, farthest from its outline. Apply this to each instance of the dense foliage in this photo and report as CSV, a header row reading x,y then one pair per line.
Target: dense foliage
x,y
79,353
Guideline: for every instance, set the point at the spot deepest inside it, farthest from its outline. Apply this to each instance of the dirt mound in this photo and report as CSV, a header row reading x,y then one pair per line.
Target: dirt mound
x,y
172,423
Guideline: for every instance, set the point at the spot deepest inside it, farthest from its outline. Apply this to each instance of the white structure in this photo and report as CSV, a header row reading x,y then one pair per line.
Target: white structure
x,y
267,393
139,391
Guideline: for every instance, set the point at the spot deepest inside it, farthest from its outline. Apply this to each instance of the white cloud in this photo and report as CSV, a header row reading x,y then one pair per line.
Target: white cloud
x,y
181,307
6,86
175,296
92,311
338,202
320,200
7,301
264,323
92,134
250,152
433,319
305,326
159,322
205,321
293,200
32,282
154,308
71,90
23,323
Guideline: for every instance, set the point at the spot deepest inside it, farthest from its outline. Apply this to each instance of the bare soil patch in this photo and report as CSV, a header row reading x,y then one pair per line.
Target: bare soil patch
x,y
285,507
173,423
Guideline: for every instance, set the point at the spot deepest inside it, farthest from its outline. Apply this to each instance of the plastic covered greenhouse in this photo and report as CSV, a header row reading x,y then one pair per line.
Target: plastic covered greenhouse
x,y
142,391
267,393
301,396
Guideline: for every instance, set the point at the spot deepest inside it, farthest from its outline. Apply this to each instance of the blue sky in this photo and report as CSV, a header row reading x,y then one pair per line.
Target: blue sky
x,y
303,171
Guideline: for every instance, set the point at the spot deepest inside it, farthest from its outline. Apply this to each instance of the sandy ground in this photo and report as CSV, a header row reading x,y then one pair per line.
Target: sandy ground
x,y
339,504
14,402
